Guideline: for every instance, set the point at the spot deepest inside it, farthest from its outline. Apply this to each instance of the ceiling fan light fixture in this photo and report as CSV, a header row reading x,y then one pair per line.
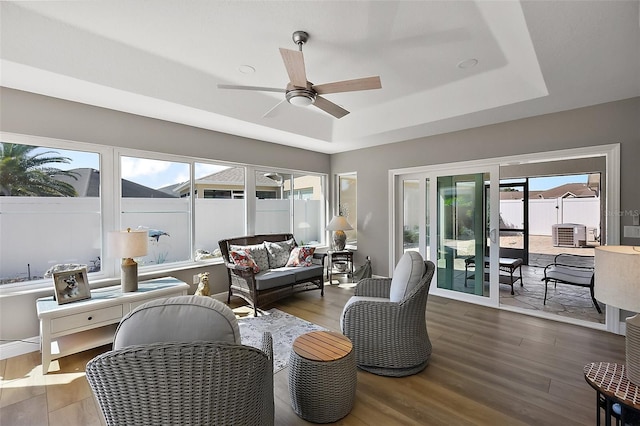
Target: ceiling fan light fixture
x,y
301,97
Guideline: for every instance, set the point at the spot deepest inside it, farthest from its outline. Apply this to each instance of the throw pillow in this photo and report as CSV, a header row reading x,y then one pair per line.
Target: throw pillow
x,y
301,256
241,257
258,252
279,252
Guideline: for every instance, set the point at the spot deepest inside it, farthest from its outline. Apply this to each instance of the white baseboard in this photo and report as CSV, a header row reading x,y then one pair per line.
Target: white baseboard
x,y
21,347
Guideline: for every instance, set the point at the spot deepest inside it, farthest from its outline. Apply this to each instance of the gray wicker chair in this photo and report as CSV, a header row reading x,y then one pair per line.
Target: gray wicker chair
x,y
386,320
173,379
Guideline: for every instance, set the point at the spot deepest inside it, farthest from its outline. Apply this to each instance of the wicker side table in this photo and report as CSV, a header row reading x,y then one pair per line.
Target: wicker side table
x,y
322,376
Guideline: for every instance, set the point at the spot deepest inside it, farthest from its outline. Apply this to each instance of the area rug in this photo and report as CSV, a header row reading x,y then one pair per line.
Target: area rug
x,y
284,329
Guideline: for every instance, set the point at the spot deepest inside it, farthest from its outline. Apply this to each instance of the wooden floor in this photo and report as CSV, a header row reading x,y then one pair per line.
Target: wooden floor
x,y
489,367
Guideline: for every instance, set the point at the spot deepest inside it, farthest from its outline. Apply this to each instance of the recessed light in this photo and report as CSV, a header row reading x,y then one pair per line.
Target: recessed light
x,y
467,63
246,69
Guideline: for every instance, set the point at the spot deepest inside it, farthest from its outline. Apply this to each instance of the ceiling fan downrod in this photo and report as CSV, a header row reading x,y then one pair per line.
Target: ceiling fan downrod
x,y
300,38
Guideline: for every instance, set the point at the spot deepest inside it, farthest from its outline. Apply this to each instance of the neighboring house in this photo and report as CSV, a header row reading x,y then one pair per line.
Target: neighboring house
x,y
229,183
87,184
567,190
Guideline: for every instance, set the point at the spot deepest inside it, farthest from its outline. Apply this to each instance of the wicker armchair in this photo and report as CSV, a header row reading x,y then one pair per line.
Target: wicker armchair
x,y
171,379
386,321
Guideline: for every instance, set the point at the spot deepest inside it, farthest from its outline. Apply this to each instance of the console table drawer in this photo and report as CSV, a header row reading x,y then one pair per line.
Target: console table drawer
x,y
71,322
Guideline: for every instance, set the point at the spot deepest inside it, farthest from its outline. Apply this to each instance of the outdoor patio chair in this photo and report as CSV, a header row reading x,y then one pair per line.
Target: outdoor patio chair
x,y
180,361
386,321
571,269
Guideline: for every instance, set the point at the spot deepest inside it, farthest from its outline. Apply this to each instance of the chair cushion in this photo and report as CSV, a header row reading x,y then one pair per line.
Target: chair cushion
x,y
279,252
178,319
258,252
570,275
406,276
313,271
274,278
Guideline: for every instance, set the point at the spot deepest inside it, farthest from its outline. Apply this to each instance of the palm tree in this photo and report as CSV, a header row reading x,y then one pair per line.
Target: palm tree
x,y
26,174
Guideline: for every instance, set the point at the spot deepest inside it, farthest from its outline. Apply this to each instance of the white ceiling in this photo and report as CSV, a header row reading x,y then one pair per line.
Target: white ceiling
x,y
164,59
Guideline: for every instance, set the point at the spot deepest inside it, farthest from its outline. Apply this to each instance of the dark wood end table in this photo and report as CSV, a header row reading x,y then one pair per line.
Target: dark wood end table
x,y
339,256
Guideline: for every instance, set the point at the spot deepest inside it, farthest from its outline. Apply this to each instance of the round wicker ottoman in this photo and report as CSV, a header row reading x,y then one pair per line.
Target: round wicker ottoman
x,y
322,376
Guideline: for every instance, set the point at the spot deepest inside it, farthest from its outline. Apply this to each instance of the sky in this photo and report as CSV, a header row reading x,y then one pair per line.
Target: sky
x,y
151,173
540,184
157,174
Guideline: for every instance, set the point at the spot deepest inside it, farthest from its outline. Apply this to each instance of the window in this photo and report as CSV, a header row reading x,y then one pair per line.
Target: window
x,y
50,204
223,214
348,204
308,208
273,209
53,202
150,201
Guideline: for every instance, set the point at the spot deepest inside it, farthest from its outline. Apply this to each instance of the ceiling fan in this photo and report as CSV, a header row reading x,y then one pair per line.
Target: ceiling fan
x,y
301,92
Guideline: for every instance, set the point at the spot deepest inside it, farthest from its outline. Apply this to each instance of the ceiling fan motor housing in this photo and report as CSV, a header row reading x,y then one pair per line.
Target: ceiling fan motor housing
x,y
300,97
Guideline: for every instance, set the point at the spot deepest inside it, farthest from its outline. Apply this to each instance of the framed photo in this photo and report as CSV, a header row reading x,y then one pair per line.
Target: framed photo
x,y
71,286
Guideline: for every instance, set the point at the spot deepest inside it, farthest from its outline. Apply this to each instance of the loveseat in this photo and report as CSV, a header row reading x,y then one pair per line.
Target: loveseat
x,y
265,268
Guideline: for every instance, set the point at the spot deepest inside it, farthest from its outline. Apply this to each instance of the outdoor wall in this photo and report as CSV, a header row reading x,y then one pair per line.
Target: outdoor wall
x,y
610,123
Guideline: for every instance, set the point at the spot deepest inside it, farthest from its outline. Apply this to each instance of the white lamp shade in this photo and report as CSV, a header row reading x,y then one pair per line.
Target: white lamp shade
x,y
617,276
128,244
338,223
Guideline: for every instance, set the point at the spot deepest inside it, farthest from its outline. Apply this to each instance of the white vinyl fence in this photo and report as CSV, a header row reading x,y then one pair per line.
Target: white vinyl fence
x,y
544,213
39,232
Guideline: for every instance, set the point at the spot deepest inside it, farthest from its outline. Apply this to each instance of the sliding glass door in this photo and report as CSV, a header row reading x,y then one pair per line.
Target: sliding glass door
x,y
447,217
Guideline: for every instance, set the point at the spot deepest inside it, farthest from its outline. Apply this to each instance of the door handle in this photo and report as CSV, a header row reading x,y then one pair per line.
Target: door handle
x,y
493,235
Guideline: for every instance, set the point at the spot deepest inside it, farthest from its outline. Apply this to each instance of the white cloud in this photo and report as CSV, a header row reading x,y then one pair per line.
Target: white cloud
x,y
136,167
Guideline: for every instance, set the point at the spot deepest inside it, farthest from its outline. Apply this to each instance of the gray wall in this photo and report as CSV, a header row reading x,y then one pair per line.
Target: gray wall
x,y
36,115
615,122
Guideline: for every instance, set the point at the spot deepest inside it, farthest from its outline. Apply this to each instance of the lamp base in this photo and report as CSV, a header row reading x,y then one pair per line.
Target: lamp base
x,y
129,275
339,240
632,344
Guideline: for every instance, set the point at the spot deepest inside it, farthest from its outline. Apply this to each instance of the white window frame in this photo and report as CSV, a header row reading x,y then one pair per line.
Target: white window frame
x,y
110,196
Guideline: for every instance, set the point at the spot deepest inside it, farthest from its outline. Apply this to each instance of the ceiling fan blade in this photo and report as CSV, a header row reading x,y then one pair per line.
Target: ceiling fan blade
x,y
330,107
258,88
274,111
294,63
366,83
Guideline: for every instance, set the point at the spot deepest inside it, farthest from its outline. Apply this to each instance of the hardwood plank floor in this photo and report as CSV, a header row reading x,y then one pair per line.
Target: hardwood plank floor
x,y
489,367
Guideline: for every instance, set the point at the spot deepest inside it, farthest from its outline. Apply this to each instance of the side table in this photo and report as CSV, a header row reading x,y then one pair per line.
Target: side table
x,y
336,257
614,392
322,376
85,324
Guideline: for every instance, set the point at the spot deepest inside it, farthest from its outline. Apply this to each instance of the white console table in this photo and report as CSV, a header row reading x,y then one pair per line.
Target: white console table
x,y
78,326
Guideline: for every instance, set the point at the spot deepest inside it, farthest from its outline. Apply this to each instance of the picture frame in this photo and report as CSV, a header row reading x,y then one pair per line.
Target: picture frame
x,y
71,286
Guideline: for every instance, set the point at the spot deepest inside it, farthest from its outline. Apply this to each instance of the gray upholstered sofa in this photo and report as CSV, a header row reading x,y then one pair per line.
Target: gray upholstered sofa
x,y
273,281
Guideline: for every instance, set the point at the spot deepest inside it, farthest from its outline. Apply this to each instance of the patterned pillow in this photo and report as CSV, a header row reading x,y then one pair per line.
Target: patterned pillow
x,y
301,256
258,252
279,252
241,257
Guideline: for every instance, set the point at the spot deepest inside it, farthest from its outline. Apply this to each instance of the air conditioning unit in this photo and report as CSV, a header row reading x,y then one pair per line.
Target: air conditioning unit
x,y
569,235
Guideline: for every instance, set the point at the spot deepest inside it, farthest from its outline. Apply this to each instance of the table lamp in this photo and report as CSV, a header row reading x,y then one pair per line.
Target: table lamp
x,y
127,245
338,225
617,283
